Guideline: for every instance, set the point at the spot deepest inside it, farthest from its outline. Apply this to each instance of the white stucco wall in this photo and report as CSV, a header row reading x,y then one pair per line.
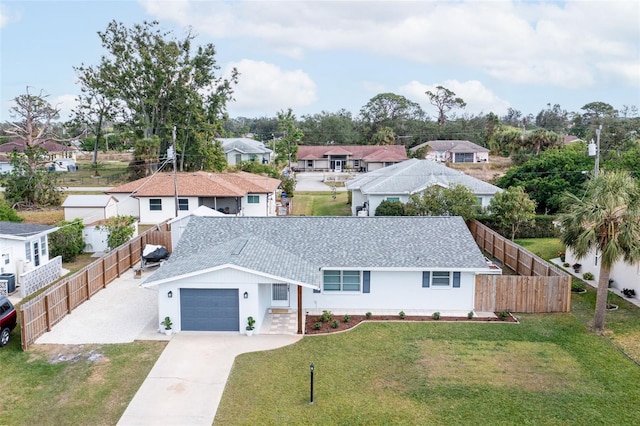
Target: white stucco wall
x,y
265,206
87,214
622,274
13,254
357,200
127,205
397,291
375,200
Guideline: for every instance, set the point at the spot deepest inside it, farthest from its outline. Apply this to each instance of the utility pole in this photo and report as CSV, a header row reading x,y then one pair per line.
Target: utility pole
x,y
594,149
175,171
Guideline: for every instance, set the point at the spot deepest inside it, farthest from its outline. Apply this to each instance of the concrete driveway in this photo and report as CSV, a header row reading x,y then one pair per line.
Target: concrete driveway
x,y
314,181
120,313
185,385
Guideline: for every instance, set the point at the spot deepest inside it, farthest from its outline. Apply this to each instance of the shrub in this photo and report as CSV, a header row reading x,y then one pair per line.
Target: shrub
x,y
436,315
120,229
347,318
566,264
577,285
402,315
629,292
503,315
317,326
335,324
588,276
368,315
67,241
470,314
326,316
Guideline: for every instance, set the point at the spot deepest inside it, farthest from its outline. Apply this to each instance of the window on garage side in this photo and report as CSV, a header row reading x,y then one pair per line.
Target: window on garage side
x,y
155,204
253,199
346,281
183,204
440,279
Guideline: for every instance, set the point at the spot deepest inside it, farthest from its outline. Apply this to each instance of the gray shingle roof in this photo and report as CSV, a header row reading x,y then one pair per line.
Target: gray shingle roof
x,y
451,146
243,145
23,230
415,175
295,248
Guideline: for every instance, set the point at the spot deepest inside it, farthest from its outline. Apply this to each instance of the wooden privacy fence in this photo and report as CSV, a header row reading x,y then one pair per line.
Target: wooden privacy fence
x,y
538,286
38,315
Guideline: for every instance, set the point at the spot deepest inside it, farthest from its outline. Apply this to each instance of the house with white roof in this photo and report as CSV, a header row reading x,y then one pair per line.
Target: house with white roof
x,y
453,151
225,269
400,181
244,149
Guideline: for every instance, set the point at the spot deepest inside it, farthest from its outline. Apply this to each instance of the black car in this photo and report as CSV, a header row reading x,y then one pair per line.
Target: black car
x,y
8,318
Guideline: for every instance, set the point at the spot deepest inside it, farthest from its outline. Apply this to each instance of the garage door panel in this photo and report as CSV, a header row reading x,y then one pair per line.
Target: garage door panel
x,y
209,309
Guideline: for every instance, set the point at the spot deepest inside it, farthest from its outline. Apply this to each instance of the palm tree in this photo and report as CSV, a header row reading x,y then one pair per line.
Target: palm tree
x,y
606,219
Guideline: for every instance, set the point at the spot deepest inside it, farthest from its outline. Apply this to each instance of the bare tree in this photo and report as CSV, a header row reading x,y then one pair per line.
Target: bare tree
x,y
445,100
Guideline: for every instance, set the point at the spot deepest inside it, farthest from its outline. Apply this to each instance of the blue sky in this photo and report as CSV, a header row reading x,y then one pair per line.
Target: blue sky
x,y
315,56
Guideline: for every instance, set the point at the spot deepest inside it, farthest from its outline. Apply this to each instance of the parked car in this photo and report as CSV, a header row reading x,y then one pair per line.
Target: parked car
x,y
8,318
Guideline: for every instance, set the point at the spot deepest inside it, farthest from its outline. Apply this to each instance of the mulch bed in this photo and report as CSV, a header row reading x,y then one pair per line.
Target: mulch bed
x,y
328,327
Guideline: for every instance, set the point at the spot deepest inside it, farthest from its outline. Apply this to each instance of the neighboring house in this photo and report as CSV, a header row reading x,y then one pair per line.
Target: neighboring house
x,y
90,208
398,182
226,269
454,151
623,274
244,149
24,247
358,158
5,165
55,150
571,139
153,199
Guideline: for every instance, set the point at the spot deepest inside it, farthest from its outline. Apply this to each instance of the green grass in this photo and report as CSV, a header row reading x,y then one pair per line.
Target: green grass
x,y
546,248
547,370
40,391
110,173
321,204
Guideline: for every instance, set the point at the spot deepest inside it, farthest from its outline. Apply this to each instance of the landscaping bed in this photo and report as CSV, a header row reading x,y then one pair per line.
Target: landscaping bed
x,y
336,323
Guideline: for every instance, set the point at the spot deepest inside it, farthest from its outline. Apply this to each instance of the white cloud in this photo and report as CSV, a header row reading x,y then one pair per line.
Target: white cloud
x,y
555,43
478,98
265,88
7,16
64,103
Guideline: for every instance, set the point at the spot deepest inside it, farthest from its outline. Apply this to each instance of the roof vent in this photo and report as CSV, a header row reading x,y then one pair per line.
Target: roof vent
x,y
239,247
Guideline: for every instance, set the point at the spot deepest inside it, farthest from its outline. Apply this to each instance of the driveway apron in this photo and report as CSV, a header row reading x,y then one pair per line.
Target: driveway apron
x,y
185,385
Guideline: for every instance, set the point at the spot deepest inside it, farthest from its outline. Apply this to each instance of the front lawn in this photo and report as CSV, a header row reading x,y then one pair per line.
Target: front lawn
x,y
547,370
71,384
321,204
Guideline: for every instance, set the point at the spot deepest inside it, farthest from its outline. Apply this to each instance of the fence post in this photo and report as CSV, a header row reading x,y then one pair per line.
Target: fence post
x,y
68,289
23,331
118,262
46,310
86,279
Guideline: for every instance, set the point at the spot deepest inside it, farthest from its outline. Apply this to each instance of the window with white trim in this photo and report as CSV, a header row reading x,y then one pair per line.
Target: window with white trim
x,y
440,279
155,204
346,281
393,198
27,251
183,204
253,199
43,245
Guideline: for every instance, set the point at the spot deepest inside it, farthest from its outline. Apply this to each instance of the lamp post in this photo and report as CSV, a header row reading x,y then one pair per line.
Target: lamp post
x,y
311,368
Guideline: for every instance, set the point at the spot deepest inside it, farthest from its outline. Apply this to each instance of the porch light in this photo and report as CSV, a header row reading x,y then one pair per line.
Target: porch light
x,y
170,294
246,295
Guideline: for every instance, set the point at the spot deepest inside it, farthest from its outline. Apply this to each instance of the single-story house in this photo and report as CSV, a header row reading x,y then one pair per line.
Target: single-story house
x,y
225,269
398,182
55,150
89,208
623,274
244,149
23,248
454,151
154,200
358,158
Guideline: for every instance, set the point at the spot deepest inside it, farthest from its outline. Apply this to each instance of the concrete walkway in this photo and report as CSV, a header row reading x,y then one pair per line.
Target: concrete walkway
x,y
186,384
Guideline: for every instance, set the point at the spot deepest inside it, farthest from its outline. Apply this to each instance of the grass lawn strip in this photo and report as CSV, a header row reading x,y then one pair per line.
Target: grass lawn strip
x,y
321,204
548,370
72,385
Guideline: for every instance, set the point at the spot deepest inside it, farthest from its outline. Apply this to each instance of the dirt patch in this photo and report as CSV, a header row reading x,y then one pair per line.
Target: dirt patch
x,y
337,323
70,353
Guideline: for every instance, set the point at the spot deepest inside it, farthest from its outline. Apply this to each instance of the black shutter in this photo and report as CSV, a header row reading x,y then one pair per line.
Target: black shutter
x,y
426,278
366,281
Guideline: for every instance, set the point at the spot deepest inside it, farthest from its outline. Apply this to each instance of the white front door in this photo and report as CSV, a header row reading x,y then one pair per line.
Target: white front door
x,y
280,295
338,167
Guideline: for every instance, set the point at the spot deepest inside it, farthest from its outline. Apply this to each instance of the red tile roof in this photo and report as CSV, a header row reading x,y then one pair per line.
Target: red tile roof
x,y
356,152
199,184
19,145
